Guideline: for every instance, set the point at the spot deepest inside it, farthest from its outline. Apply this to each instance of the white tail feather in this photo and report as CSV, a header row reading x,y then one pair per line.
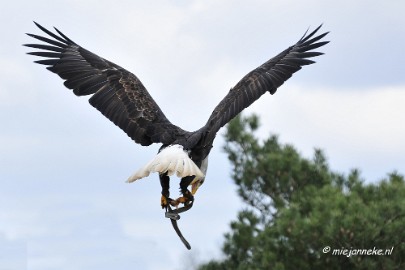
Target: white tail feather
x,y
172,159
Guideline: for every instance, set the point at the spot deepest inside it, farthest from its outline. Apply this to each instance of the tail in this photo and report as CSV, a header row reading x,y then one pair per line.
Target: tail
x,y
172,159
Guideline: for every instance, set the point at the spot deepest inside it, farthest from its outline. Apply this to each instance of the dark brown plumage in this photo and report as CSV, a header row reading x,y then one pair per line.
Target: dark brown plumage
x,y
122,98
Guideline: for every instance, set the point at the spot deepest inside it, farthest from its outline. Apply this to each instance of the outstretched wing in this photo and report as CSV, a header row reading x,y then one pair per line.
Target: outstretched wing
x,y
267,77
116,93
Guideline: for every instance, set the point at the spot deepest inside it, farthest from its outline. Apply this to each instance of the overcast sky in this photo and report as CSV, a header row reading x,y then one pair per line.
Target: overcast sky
x,y
64,203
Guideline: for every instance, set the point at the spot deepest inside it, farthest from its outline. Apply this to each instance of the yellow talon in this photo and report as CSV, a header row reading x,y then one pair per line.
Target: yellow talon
x,y
179,201
186,199
163,201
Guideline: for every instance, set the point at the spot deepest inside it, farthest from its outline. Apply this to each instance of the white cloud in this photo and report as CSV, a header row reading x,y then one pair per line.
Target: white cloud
x,y
356,128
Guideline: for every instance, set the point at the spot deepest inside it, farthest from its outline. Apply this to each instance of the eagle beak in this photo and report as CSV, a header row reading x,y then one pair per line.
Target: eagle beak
x,y
195,185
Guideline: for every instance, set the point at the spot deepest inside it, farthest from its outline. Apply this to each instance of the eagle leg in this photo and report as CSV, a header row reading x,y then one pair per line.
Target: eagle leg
x,y
187,197
165,183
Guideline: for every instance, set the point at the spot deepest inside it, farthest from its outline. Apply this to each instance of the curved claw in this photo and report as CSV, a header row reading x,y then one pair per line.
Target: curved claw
x,y
182,209
164,201
186,199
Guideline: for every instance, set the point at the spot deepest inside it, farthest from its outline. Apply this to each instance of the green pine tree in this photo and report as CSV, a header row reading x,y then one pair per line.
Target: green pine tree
x,y
297,207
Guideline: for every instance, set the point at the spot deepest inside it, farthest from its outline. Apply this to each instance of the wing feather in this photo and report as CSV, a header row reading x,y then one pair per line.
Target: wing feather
x,y
266,78
116,93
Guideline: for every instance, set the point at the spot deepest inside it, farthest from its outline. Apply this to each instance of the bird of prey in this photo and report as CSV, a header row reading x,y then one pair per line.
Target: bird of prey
x,y
120,96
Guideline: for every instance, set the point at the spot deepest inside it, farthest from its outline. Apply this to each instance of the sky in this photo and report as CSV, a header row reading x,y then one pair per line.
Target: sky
x,y
64,203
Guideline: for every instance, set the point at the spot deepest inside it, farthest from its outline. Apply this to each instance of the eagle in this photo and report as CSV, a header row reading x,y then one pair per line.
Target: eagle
x,y
121,97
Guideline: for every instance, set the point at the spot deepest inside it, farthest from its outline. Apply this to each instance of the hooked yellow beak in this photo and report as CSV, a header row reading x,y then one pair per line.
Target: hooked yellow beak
x,y
195,185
